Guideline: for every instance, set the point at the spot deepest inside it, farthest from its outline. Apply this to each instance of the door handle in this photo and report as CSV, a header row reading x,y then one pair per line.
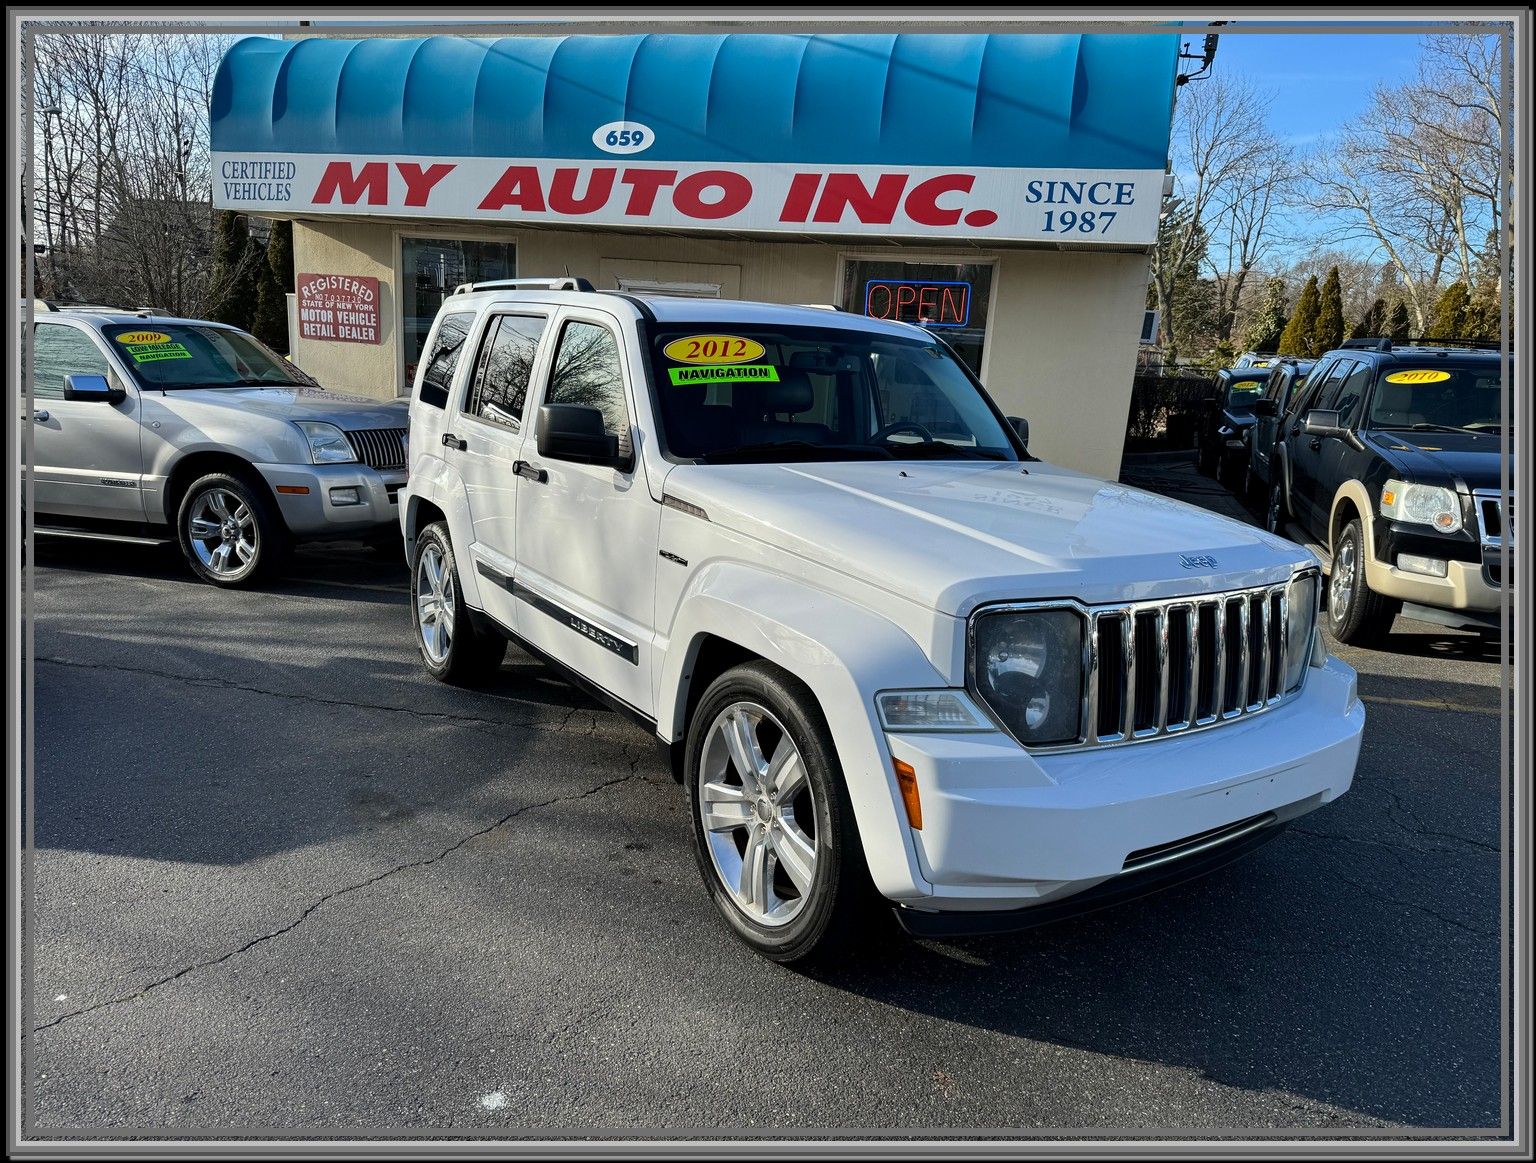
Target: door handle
x,y
453,441
523,469
1316,443
41,415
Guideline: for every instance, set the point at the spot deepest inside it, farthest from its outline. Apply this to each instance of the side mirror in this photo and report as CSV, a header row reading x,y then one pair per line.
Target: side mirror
x,y
1021,426
576,432
1266,407
1322,422
92,389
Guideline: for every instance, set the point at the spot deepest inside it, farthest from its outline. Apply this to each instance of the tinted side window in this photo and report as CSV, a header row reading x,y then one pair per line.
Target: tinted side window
x,y
1332,387
587,371
1278,379
505,366
437,377
1348,402
64,351
1304,398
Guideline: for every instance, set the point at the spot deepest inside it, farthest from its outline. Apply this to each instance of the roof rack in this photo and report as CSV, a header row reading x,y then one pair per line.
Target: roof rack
x,y
565,284
1380,343
1475,344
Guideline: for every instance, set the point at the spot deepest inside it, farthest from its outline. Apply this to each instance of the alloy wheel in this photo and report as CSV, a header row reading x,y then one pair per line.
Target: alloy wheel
x,y
1341,585
222,530
434,604
758,811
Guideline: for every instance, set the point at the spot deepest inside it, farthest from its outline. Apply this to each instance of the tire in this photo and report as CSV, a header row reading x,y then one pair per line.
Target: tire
x,y
1356,614
1275,511
454,649
1206,460
229,531
811,900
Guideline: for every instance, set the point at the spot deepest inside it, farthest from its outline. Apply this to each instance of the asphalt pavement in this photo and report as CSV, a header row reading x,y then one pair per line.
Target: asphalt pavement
x,y
284,882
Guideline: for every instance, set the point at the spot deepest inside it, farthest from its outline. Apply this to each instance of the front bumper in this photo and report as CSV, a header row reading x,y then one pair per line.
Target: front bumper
x,y
315,513
1471,585
1005,830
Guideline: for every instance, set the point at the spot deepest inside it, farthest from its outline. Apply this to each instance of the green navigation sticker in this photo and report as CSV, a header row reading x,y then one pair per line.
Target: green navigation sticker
x,y
150,353
700,375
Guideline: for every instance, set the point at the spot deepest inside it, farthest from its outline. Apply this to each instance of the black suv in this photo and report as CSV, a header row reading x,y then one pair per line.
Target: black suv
x,y
1287,377
1228,418
1388,461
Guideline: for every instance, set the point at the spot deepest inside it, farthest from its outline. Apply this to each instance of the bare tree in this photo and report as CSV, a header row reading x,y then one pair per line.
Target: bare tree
x,y
125,166
1419,174
1223,163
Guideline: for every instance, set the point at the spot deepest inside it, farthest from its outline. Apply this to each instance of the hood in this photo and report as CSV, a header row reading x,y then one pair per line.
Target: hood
x,y
1468,460
302,403
953,536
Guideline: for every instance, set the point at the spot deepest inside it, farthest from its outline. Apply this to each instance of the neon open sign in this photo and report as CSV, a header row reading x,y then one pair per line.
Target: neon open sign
x,y
936,304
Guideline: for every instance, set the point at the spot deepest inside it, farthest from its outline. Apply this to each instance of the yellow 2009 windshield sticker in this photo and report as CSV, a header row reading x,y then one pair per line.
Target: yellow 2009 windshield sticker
x,y
134,338
1418,377
704,375
713,349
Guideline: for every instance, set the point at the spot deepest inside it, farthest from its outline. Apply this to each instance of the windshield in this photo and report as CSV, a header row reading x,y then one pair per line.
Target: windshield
x,y
1246,388
191,355
739,392
1445,398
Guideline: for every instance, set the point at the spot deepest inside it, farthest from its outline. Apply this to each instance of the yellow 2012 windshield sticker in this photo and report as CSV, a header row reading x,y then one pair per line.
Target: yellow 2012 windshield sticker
x,y
713,349
704,375
1427,376
1246,385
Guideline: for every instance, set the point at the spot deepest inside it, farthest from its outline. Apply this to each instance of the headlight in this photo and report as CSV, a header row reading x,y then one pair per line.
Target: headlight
x,y
1300,621
922,711
1431,505
1027,666
327,443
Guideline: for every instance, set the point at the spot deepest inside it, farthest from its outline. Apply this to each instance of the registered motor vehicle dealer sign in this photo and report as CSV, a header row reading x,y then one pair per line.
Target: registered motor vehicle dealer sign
x,y
339,308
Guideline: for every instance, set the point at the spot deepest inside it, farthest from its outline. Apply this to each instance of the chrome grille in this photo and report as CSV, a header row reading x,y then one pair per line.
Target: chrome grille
x,y
381,448
1161,668
1490,517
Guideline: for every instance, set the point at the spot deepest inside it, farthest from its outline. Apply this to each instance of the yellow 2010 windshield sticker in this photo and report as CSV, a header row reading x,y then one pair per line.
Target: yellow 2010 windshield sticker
x,y
1418,377
713,349
134,338
705,375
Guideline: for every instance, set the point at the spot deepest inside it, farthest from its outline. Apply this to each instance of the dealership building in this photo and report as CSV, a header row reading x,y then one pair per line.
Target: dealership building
x,y
1001,189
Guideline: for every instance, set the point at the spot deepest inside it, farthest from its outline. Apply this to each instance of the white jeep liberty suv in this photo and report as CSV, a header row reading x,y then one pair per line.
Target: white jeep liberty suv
x,y
893,655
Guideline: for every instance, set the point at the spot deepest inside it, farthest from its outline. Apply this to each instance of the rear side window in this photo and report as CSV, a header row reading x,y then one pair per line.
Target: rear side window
x,y
1349,395
506,363
587,371
1333,386
64,351
447,344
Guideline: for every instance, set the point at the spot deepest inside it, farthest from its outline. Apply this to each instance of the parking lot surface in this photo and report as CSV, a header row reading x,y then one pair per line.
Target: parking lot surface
x,y
284,881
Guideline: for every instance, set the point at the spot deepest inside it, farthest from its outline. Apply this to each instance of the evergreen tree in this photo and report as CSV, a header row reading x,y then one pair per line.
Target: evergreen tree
x,y
280,254
1328,331
1297,337
1397,322
1450,313
232,292
1373,323
269,322
1268,325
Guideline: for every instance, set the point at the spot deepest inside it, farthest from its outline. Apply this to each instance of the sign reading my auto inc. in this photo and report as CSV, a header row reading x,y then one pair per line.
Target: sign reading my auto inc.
x,y
1110,207
342,308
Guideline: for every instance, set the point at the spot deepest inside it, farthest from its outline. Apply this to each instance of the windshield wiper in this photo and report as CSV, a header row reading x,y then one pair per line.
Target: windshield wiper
x,y
795,450
1422,427
942,448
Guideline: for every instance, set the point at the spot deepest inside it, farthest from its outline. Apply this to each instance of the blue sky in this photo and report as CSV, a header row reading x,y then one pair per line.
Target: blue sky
x,y
1320,81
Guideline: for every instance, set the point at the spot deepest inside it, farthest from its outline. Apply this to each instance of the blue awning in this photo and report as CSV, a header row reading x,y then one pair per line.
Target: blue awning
x,y
1081,102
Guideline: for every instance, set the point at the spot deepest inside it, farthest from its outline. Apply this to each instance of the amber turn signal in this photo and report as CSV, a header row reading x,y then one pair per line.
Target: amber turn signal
x,y
907,778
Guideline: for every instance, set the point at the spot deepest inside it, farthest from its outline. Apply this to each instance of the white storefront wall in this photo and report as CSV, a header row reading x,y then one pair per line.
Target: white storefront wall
x,y
1061,336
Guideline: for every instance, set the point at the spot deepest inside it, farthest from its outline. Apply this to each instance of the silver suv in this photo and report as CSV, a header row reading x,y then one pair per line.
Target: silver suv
x,y
151,429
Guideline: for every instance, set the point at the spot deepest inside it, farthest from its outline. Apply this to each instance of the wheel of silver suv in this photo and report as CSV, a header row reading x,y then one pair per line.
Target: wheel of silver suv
x,y
229,532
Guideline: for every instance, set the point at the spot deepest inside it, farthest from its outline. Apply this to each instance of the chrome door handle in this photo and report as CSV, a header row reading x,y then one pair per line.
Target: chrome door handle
x,y
523,469
41,415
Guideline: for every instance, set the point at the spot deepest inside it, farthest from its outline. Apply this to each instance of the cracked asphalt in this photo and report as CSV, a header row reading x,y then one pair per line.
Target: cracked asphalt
x,y
284,882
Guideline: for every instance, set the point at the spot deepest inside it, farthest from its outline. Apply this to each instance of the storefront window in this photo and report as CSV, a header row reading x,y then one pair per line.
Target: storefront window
x,y
432,268
952,299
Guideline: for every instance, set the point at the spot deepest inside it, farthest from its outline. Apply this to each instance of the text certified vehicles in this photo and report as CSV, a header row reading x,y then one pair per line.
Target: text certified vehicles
x,y
895,657
150,428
